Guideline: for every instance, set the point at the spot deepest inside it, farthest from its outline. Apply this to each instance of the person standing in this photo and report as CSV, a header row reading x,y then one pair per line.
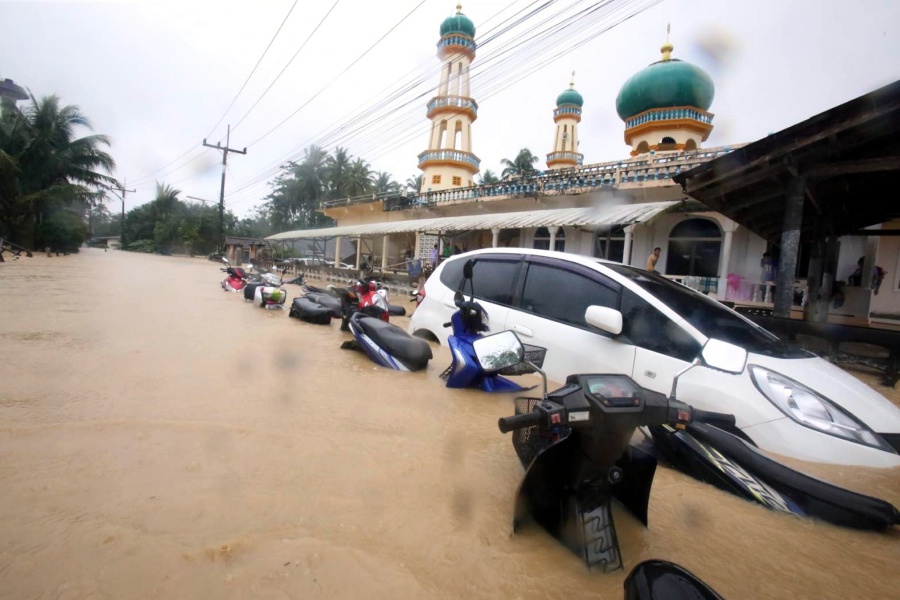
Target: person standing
x,y
434,256
652,259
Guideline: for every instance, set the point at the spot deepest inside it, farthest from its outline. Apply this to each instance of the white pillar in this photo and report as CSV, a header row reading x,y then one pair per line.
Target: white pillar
x,y
626,257
384,252
553,231
495,236
358,251
337,252
729,229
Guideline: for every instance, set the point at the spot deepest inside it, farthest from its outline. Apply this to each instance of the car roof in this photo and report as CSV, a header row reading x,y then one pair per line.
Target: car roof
x,y
578,258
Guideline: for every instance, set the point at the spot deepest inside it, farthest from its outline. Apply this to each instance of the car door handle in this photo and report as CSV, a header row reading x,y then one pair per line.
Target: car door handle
x,y
523,330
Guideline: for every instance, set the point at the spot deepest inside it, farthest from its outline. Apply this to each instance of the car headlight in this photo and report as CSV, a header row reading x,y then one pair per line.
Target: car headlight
x,y
808,408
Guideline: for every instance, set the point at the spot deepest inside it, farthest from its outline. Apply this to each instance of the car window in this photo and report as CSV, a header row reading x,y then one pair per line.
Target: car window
x,y
494,280
452,274
645,326
708,316
563,295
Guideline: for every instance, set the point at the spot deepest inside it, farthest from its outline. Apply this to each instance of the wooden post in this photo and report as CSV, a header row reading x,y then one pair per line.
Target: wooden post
x,y
790,246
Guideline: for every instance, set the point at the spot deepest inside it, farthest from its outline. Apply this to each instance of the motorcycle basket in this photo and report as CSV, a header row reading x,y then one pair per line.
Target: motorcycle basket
x,y
533,354
529,441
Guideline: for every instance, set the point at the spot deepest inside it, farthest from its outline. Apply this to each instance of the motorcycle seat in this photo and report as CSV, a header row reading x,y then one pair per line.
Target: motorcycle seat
x,y
395,340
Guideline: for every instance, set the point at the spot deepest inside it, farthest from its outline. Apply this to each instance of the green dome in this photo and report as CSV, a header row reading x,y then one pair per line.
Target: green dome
x,y
458,23
570,96
665,84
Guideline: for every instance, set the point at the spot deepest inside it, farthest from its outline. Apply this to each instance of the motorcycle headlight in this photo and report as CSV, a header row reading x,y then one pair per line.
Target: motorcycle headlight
x,y
808,408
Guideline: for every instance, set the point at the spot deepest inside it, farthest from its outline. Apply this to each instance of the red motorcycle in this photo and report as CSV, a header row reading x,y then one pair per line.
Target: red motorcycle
x,y
236,279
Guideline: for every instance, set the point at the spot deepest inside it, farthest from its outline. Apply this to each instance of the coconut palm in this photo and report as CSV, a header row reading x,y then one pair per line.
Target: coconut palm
x,y
44,167
523,164
337,166
385,184
489,177
415,182
357,179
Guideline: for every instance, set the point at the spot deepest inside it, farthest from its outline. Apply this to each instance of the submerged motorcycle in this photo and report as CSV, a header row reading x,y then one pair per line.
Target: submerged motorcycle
x,y
386,344
236,277
469,324
575,444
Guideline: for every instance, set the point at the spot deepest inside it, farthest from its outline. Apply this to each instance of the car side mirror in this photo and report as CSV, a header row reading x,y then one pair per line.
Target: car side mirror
x,y
723,356
498,351
604,318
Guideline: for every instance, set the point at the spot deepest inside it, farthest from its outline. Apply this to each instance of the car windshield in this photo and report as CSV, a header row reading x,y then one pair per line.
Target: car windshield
x,y
710,317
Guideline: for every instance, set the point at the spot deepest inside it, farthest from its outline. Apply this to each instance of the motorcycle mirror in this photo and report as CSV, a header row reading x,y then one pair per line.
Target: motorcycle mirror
x,y
495,352
604,318
458,297
225,260
467,269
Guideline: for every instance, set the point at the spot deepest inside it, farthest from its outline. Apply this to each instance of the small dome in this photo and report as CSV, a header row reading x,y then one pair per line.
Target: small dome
x,y
570,96
664,84
458,23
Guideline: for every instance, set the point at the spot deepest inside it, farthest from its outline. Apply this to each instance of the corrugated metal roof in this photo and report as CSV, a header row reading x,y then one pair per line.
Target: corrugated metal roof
x,y
590,217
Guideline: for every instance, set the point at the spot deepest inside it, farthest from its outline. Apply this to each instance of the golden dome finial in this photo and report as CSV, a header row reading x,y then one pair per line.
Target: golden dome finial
x,y
667,48
459,8
572,82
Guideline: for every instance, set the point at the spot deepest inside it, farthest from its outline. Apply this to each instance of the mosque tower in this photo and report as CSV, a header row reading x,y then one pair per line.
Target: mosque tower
x,y
664,106
449,162
566,116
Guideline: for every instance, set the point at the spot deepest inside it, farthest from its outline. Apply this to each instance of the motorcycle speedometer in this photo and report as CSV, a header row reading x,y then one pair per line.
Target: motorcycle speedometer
x,y
615,391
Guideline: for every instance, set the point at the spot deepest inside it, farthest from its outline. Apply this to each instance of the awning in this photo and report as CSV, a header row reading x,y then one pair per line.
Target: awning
x,y
593,217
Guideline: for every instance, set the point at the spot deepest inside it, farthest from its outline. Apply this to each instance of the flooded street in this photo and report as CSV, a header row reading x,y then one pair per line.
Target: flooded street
x,y
163,439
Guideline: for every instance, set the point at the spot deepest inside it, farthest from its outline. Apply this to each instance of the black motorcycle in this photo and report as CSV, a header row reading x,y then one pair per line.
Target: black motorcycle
x,y
576,445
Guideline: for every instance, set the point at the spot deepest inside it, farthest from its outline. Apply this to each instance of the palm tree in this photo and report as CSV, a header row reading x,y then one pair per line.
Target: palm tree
x,y
415,182
337,166
489,177
357,179
44,167
385,184
523,164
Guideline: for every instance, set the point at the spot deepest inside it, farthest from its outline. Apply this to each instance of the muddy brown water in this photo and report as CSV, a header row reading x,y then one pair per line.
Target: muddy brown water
x,y
161,438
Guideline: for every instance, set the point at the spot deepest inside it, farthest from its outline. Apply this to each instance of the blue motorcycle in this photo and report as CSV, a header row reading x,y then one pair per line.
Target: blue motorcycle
x,y
469,323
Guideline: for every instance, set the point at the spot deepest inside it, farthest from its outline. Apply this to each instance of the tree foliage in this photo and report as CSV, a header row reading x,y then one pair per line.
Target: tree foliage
x,y
49,178
522,164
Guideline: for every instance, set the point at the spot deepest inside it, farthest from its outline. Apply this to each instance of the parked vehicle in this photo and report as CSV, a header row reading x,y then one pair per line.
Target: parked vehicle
x,y
596,316
663,580
575,441
386,344
235,279
469,324
269,297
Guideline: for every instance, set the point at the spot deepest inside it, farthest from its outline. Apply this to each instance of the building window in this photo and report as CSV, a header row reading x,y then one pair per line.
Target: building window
x,y
542,239
435,179
694,248
457,181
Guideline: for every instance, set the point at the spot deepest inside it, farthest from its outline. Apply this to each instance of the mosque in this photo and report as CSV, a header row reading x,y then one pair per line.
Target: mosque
x,y
619,210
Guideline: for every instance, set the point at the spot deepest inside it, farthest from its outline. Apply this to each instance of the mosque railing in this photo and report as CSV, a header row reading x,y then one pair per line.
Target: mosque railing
x,y
646,169
454,155
567,110
456,40
576,156
667,114
456,101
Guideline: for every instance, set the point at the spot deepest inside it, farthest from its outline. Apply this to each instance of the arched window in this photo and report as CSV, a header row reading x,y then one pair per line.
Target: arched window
x,y
667,140
694,248
610,244
542,239
690,145
643,148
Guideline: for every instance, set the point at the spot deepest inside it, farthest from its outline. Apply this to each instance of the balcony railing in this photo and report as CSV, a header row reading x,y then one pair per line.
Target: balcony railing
x,y
652,168
570,156
454,155
456,40
455,101
567,110
667,114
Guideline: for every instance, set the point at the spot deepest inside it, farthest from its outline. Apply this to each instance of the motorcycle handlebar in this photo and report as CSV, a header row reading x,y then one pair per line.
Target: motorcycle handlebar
x,y
707,416
529,419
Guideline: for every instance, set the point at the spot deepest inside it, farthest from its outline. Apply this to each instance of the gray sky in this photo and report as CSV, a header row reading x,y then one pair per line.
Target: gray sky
x,y
157,76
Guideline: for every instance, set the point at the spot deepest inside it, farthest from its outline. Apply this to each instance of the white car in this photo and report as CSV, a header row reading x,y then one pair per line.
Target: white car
x,y
596,316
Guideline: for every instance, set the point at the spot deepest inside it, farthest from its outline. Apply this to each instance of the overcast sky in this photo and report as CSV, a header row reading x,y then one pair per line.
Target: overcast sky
x,y
157,76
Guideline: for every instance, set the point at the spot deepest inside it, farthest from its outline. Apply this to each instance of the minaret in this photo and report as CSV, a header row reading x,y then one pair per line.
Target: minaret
x,y
665,106
449,162
566,116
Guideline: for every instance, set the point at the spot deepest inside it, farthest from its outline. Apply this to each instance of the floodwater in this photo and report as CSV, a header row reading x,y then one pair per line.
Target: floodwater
x,y
161,438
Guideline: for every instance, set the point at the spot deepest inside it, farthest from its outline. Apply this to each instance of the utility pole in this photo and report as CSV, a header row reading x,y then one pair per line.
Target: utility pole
x,y
225,150
121,187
